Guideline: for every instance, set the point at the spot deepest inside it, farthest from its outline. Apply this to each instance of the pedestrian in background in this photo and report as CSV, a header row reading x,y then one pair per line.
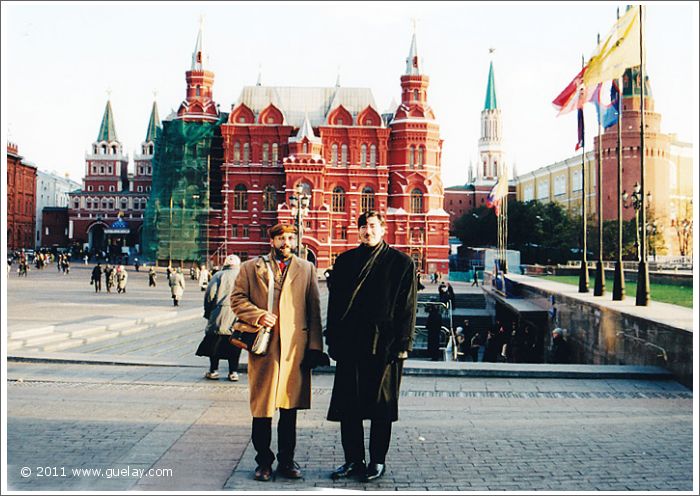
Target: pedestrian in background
x,y
177,286
217,309
152,277
475,277
96,279
110,278
203,278
560,351
279,291
122,278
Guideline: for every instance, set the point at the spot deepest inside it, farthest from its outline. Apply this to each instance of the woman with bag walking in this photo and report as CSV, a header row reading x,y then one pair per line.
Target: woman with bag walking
x,y
217,309
177,286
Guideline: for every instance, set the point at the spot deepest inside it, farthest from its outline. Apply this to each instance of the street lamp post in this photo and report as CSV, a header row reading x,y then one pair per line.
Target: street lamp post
x,y
635,201
300,209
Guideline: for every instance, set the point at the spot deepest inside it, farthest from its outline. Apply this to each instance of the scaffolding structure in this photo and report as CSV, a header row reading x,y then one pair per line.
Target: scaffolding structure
x,y
184,193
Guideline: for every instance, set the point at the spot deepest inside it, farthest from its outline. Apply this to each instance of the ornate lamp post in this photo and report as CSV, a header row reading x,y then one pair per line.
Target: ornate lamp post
x,y
300,208
635,201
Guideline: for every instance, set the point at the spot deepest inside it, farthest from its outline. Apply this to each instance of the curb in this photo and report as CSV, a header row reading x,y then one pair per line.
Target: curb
x,y
411,367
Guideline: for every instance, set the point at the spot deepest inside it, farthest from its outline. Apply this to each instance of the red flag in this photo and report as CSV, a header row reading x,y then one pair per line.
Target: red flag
x,y
574,96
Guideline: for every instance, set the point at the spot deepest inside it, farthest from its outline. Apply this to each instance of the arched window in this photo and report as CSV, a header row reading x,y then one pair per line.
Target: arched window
x,y
363,155
240,197
305,147
338,199
270,199
246,153
367,199
236,153
416,201
344,155
411,156
415,94
334,154
373,155
421,156
265,153
275,153
198,91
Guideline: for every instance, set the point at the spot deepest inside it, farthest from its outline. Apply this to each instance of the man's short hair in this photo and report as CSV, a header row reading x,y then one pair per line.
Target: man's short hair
x,y
364,217
280,228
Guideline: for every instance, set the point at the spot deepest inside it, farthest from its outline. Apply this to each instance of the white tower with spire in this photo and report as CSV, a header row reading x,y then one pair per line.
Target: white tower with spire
x,y
491,156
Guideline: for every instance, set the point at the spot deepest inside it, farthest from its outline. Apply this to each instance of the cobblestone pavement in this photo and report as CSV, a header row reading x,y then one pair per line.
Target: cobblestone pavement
x,y
464,434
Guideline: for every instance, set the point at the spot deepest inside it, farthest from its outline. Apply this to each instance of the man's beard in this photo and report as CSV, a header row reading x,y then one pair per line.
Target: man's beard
x,y
280,253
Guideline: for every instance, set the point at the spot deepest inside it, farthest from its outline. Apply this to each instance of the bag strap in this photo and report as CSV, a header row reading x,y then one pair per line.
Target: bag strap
x,y
270,284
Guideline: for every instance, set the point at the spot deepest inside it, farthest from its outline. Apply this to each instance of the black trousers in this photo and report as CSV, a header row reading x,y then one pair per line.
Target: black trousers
x,y
214,365
286,438
352,436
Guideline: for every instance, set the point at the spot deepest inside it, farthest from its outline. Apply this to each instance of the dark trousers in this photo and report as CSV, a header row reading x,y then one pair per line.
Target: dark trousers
x,y
352,435
286,438
214,365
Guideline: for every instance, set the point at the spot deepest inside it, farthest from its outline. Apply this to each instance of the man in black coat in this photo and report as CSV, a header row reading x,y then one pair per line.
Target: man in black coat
x,y
370,330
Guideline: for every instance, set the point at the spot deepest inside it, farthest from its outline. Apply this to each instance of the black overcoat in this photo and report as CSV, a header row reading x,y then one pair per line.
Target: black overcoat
x,y
365,339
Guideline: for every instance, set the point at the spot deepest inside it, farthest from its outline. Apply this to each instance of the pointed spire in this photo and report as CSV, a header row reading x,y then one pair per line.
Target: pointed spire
x,y
198,54
413,61
153,123
307,131
107,132
337,79
490,103
259,81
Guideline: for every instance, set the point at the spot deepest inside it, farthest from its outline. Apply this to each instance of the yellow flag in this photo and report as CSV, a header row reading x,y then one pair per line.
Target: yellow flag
x,y
618,51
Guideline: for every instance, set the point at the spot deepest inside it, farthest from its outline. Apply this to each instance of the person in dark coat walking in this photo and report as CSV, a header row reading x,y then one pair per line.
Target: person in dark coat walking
x,y
370,330
96,278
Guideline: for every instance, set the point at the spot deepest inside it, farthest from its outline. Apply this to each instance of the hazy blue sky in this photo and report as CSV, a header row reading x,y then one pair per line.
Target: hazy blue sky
x,y
58,60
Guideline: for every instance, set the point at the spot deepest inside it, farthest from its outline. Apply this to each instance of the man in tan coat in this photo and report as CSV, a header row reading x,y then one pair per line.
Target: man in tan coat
x,y
282,378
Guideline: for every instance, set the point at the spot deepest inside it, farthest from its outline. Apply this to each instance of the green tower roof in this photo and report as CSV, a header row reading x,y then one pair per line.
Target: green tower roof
x,y
153,124
491,92
107,132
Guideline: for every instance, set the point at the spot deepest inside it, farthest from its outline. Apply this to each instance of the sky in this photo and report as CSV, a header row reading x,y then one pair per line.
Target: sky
x,y
59,60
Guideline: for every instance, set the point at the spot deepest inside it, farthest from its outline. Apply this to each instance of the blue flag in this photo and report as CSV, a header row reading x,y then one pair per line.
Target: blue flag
x,y
612,111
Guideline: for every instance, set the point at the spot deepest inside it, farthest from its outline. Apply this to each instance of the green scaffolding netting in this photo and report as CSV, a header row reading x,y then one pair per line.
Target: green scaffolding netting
x,y
186,160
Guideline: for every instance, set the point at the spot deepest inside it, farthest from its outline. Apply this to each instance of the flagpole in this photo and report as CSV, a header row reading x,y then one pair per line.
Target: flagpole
x,y
599,289
643,271
619,281
583,275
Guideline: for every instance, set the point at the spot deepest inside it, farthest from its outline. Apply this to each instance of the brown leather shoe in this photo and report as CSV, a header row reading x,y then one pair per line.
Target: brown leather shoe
x,y
289,470
263,474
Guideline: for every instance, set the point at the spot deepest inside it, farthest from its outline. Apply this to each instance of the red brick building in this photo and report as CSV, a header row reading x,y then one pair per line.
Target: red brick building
x,y
54,227
21,200
335,144
107,214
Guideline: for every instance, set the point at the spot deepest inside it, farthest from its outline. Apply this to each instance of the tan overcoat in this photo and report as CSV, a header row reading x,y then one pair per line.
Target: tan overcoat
x,y
276,380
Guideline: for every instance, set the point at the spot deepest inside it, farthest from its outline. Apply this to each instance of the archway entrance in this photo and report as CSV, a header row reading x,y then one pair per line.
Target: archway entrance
x,y
97,241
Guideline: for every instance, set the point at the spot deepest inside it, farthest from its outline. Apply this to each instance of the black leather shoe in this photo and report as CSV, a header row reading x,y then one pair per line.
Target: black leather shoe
x,y
349,469
289,470
374,471
263,474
